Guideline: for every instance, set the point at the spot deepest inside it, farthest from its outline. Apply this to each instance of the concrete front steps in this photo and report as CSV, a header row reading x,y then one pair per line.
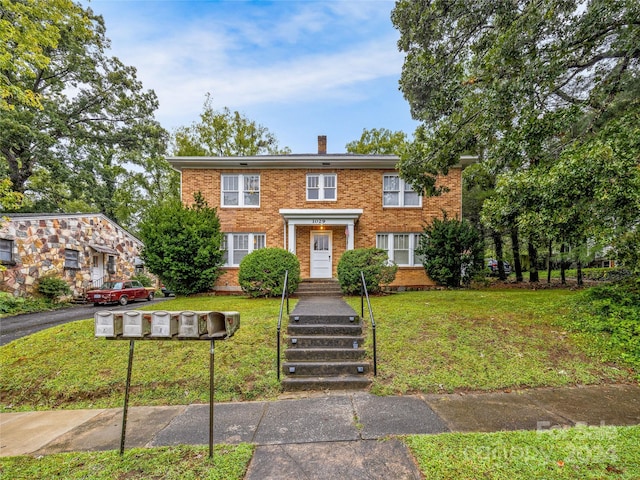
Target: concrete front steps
x,y
323,287
325,347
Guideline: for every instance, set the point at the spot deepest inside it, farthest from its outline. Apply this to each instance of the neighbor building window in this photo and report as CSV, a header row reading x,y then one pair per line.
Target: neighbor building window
x,y
321,186
236,246
400,247
398,193
240,190
6,251
71,258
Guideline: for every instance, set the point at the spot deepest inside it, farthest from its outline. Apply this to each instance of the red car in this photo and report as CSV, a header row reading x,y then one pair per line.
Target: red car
x,y
121,292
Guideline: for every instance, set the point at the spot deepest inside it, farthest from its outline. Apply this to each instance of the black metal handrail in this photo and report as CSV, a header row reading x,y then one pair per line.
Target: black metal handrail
x,y
365,294
285,294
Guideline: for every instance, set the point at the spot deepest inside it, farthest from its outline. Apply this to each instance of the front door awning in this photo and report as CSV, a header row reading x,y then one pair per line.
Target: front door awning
x,y
321,216
103,249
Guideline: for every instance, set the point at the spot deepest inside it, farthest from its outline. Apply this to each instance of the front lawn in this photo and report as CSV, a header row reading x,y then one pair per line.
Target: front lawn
x,y
435,341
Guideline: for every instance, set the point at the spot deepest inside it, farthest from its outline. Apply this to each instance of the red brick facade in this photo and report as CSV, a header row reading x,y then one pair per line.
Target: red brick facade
x,y
283,188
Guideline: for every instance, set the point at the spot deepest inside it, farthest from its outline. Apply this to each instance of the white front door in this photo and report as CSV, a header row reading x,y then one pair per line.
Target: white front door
x,y
321,255
97,270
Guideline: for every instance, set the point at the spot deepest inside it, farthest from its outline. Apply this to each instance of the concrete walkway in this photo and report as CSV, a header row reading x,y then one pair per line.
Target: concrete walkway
x,y
321,436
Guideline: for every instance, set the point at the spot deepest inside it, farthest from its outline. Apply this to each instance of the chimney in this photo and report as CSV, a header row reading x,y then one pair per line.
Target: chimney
x,y
322,144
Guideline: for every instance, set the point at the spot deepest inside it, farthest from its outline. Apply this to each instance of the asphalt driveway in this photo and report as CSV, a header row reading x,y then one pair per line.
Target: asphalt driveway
x,y
12,328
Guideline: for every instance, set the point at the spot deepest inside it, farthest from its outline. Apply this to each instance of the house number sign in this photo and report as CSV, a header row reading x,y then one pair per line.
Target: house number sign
x,y
318,221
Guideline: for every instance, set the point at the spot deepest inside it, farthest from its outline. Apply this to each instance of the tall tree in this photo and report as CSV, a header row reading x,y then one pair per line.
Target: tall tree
x,y
224,133
77,121
378,141
516,81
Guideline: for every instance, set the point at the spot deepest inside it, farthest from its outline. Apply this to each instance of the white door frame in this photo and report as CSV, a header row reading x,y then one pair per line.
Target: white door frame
x,y
321,263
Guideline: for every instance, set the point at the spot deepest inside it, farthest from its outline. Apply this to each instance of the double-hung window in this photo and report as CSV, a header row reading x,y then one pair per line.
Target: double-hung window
x,y
398,193
321,186
236,246
240,190
6,251
71,258
400,248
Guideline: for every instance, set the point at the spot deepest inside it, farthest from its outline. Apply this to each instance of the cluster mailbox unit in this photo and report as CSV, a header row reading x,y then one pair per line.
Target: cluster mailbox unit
x,y
166,325
163,325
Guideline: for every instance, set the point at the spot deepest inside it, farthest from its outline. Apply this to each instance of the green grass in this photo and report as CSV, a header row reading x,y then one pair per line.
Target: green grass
x,y
179,463
436,341
67,367
571,453
445,341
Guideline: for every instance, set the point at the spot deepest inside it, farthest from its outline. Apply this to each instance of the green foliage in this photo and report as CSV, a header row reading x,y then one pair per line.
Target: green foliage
x,y
373,262
612,310
10,305
53,288
182,245
73,118
452,250
378,142
145,280
262,272
627,250
224,133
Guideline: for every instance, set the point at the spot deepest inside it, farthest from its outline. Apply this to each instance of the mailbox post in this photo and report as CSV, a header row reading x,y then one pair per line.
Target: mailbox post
x,y
135,325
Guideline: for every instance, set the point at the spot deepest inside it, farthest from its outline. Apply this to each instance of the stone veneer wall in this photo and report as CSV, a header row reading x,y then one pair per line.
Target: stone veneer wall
x,y
40,244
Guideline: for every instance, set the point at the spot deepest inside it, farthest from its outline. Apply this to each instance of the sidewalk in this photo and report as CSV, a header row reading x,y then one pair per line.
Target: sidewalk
x,y
326,435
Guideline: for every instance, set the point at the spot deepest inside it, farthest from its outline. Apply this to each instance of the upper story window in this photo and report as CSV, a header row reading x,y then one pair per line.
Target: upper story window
x,y
6,251
321,186
236,246
240,190
400,247
71,258
398,193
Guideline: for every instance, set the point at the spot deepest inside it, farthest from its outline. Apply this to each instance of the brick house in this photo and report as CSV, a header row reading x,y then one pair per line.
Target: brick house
x,y
83,249
317,206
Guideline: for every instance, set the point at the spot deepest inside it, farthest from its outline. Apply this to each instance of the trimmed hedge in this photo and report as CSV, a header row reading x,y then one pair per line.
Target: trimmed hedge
x,y
375,265
262,272
52,288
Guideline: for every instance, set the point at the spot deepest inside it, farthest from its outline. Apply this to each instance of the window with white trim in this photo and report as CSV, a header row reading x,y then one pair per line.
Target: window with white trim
x,y
71,258
400,248
236,246
398,193
240,190
321,186
6,251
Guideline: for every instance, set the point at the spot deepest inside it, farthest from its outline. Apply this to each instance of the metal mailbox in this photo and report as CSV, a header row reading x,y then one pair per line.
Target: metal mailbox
x,y
136,323
222,324
164,324
192,324
108,324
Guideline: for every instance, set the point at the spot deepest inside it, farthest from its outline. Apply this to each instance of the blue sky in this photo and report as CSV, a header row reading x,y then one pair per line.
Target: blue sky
x,y
300,68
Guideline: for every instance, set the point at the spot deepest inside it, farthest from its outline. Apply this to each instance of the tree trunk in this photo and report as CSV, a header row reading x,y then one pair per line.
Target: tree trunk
x,y
579,274
549,261
533,263
563,265
497,241
515,245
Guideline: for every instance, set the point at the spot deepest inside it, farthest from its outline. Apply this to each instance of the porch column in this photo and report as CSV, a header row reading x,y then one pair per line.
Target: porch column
x,y
292,238
350,235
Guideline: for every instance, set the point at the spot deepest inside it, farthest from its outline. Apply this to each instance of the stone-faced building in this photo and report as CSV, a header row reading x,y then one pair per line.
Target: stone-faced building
x,y
83,249
317,206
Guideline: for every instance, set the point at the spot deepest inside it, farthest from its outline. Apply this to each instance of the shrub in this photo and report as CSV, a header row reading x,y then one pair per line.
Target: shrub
x,y
145,280
52,288
452,250
373,262
262,272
